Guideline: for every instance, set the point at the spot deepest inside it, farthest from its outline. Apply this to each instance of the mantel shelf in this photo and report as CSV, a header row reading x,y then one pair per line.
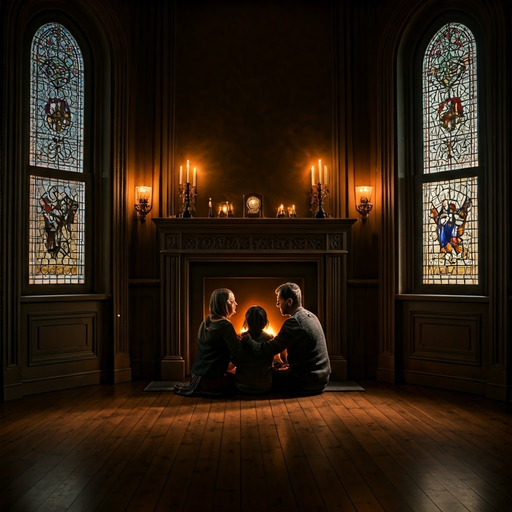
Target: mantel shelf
x,y
253,226
242,234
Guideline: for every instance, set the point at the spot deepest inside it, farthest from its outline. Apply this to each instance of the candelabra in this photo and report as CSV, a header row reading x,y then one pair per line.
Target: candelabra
x,y
319,195
187,194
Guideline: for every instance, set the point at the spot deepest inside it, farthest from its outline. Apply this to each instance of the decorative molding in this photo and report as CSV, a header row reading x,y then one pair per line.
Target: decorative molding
x,y
62,337
172,242
256,243
337,242
452,337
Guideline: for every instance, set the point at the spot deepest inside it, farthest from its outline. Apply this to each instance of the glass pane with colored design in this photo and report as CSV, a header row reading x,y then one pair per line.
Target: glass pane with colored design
x,y
56,231
56,100
450,117
450,232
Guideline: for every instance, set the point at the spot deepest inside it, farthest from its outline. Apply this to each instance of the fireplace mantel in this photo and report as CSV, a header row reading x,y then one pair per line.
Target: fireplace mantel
x,y
321,245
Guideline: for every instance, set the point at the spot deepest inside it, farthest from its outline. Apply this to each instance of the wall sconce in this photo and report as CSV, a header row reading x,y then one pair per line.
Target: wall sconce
x,y
142,202
364,207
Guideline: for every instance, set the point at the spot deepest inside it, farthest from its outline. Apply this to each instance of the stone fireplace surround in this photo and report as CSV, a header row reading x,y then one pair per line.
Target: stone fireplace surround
x,y
197,254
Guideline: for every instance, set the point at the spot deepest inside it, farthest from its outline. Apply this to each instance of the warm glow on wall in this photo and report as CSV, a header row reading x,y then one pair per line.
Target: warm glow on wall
x,y
363,201
143,203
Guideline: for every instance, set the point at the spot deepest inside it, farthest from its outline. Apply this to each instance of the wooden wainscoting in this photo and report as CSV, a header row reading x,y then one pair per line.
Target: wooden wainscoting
x,y
363,328
445,343
62,343
144,327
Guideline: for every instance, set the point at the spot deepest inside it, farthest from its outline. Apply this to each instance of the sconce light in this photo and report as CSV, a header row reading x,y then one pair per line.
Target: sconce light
x,y
364,207
142,202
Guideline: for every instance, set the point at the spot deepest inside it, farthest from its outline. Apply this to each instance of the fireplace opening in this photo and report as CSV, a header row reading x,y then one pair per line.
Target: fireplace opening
x,y
249,291
251,284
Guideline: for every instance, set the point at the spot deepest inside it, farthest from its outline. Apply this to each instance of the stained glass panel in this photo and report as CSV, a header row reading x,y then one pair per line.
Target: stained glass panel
x,y
57,231
450,100
56,100
450,233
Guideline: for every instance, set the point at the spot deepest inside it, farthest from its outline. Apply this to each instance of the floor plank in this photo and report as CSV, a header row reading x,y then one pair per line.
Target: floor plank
x,y
391,448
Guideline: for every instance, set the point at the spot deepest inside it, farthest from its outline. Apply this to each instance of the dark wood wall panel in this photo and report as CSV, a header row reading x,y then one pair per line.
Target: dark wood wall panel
x,y
61,343
363,334
443,343
455,338
253,98
62,337
145,347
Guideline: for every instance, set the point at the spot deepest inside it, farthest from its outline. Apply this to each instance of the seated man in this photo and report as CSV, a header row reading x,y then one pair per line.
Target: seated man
x,y
302,335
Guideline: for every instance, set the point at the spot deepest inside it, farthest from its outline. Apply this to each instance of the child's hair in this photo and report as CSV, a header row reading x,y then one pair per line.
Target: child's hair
x,y
255,319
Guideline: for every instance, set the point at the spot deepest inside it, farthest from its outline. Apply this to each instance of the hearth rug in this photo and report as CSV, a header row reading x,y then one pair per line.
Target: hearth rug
x,y
335,386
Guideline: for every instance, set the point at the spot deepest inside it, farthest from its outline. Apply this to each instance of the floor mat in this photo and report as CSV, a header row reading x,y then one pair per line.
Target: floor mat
x,y
335,386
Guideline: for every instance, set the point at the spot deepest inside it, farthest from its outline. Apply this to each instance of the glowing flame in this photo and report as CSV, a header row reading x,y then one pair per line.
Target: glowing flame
x,y
268,330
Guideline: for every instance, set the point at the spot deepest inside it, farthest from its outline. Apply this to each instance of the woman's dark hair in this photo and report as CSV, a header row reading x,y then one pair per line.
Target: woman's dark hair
x,y
255,319
219,302
290,291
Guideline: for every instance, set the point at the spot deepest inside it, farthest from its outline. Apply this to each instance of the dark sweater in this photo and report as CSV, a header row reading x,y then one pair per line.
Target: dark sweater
x,y
253,374
216,341
302,335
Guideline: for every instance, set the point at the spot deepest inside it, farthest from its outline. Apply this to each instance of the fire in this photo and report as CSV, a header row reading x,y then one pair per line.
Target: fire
x,y
268,330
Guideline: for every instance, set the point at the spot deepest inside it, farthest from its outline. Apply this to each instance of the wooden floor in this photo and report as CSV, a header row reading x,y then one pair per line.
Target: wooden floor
x,y
393,448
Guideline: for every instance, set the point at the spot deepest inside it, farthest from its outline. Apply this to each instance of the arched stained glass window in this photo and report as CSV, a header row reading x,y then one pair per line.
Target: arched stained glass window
x,y
56,155
450,159
56,100
450,100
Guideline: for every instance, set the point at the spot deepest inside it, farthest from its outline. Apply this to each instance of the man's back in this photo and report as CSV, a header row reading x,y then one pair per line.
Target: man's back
x,y
308,358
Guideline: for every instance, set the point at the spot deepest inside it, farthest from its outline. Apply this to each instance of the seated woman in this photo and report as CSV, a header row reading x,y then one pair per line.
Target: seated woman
x,y
217,341
254,374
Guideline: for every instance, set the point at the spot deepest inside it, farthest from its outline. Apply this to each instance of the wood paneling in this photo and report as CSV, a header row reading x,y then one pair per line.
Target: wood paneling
x,y
62,337
363,328
439,336
61,343
443,340
145,342
253,99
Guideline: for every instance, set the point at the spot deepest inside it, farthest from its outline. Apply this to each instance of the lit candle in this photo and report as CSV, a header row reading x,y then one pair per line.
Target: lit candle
x,y
181,174
320,171
194,178
325,174
312,175
188,172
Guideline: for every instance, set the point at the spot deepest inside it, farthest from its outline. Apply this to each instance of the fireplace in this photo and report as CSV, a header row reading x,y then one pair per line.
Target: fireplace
x,y
251,257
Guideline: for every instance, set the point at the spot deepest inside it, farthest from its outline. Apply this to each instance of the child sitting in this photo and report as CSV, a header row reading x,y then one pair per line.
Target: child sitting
x,y
254,373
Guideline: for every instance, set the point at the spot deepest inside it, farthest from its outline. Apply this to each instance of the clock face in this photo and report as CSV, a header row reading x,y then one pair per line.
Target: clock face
x,y
253,204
